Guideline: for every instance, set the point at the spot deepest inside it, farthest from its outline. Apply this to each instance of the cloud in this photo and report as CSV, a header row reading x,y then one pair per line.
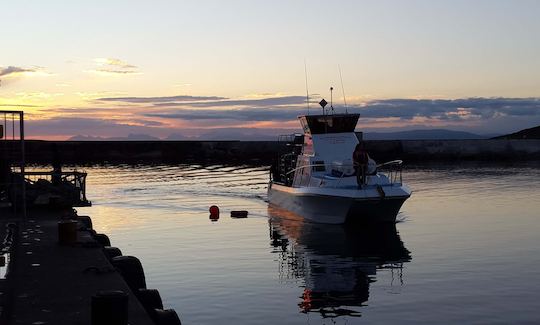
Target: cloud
x,y
146,122
498,115
96,129
113,71
264,102
276,109
114,66
37,95
114,62
164,99
448,109
69,126
11,70
247,114
209,101
18,105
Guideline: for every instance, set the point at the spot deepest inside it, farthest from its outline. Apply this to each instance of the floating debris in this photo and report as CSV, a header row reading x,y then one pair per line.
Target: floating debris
x,y
239,214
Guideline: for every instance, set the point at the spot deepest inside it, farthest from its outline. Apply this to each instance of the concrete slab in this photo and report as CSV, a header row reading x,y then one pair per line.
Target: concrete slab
x,y
51,284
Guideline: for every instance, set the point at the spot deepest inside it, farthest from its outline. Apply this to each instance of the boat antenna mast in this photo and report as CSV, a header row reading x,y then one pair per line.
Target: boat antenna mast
x,y
343,89
307,91
331,99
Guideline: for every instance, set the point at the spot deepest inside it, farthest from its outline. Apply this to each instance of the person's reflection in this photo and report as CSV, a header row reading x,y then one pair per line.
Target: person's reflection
x,y
337,263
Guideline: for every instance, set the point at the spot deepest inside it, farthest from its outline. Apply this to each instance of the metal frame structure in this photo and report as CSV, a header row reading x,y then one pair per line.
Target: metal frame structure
x,y
12,151
74,178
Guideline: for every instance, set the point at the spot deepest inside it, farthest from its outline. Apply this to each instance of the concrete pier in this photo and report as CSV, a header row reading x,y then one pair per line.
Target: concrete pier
x,y
53,284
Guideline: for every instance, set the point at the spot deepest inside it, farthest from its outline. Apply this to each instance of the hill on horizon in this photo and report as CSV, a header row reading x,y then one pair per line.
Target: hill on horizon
x,y
430,134
530,133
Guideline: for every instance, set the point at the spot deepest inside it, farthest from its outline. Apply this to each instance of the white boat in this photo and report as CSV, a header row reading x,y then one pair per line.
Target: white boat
x,y
317,180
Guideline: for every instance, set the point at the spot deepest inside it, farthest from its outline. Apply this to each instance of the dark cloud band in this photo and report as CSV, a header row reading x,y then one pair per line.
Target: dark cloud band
x,y
266,102
165,99
405,109
445,109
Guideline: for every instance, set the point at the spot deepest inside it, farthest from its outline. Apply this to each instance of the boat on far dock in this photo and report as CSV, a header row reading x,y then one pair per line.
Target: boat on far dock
x,y
317,177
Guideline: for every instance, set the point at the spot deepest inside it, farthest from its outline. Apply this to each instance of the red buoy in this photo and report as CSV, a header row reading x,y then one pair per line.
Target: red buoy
x,y
214,210
214,213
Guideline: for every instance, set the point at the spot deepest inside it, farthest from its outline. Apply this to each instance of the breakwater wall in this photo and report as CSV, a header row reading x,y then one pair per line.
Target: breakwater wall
x,y
90,152
264,152
455,150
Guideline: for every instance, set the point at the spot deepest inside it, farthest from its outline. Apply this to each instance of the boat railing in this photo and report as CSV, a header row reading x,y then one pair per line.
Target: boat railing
x,y
294,139
391,169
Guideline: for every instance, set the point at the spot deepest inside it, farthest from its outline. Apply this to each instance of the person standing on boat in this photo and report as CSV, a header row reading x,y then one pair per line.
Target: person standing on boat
x,y
360,160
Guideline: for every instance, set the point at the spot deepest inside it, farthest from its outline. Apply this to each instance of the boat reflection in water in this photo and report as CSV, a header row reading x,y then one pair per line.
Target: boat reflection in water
x,y
337,263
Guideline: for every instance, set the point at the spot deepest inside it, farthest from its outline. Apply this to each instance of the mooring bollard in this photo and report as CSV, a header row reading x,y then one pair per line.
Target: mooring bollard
x,y
85,221
150,299
110,308
111,252
131,270
102,239
167,317
67,232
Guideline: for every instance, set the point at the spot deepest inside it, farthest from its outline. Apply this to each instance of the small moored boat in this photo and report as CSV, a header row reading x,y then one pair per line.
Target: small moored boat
x,y
318,179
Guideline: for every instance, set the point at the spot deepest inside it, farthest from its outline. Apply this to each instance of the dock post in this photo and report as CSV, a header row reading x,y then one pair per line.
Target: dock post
x,y
23,164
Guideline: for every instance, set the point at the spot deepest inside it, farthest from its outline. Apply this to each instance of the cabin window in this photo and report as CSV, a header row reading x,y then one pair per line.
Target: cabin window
x,y
322,124
319,166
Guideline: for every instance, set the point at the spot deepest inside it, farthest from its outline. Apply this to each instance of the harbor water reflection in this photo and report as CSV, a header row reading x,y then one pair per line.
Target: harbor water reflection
x,y
465,251
336,263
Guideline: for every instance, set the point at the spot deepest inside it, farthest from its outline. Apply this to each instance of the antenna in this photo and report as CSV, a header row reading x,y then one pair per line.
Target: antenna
x,y
307,91
331,99
343,89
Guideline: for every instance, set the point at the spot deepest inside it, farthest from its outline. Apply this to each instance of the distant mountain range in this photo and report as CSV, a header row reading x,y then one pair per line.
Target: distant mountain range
x,y
223,134
131,137
433,134
252,134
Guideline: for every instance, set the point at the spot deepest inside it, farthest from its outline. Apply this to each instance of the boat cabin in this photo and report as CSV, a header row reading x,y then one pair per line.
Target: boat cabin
x,y
323,124
328,145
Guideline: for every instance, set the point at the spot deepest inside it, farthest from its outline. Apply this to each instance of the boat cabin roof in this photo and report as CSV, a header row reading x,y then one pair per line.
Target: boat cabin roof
x,y
322,124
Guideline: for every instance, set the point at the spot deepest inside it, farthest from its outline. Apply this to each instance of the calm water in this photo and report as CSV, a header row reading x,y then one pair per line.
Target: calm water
x,y
466,251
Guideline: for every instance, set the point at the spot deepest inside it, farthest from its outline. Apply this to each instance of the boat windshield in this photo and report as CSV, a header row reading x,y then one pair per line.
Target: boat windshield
x,y
321,124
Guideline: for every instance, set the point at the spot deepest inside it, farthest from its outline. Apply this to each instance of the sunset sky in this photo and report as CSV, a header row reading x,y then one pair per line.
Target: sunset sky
x,y
113,68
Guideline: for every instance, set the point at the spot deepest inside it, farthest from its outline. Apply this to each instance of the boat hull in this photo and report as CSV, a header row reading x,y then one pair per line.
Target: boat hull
x,y
354,206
